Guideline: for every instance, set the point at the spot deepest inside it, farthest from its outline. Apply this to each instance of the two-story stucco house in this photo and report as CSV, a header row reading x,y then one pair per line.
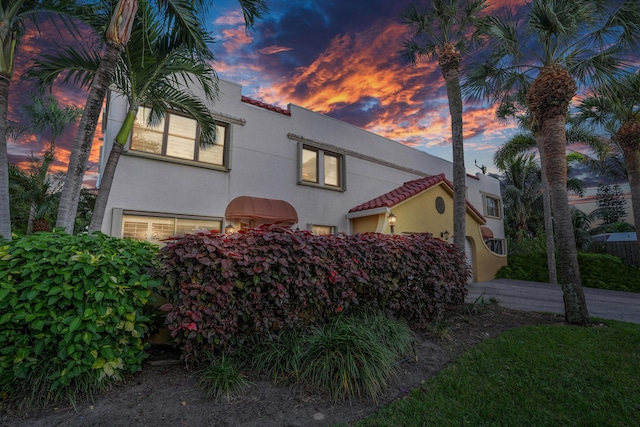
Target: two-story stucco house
x,y
293,167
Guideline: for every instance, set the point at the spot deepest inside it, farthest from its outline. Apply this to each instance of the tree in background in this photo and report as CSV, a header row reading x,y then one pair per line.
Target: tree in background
x,y
521,193
615,106
34,195
43,118
13,17
441,31
544,53
612,206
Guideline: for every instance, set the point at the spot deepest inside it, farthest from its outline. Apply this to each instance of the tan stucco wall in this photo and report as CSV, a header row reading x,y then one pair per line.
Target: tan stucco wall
x,y
365,224
419,215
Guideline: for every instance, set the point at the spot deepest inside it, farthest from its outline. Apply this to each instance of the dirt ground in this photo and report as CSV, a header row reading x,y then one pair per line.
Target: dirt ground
x,y
165,394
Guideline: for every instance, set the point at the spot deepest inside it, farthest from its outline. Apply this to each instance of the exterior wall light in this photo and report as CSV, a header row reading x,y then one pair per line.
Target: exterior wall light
x,y
445,235
229,229
392,221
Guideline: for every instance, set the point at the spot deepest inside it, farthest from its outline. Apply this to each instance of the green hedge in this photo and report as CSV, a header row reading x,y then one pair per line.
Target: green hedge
x,y
72,310
596,270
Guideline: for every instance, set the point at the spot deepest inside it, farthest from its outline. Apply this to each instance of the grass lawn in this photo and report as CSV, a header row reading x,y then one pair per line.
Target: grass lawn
x,y
550,375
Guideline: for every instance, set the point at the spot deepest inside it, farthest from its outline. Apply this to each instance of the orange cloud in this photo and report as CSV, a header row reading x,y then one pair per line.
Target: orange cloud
x,y
269,50
231,18
236,37
350,69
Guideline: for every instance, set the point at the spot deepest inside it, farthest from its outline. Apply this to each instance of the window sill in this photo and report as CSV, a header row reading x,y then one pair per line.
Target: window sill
x,y
492,217
175,160
323,187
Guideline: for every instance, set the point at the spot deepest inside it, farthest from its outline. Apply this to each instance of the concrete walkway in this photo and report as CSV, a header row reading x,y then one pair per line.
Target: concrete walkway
x,y
533,296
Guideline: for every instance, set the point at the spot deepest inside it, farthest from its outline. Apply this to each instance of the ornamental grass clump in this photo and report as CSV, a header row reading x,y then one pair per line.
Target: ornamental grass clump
x,y
73,314
219,378
349,356
352,356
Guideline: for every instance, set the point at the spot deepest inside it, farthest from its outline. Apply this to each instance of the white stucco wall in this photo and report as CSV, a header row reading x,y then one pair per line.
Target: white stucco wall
x,y
264,163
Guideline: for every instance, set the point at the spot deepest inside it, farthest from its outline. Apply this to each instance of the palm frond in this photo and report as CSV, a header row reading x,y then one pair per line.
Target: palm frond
x,y
165,98
252,10
515,146
76,63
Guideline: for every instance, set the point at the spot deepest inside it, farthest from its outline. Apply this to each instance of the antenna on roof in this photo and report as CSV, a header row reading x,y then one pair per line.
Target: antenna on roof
x,y
483,168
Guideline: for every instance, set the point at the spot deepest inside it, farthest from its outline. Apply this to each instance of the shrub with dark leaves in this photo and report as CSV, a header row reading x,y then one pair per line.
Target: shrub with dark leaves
x,y
223,288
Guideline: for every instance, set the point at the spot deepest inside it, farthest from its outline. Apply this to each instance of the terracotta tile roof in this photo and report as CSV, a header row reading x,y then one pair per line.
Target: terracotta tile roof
x,y
265,106
408,190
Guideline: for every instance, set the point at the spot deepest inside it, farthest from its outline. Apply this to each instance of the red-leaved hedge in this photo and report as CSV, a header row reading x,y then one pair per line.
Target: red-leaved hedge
x,y
223,288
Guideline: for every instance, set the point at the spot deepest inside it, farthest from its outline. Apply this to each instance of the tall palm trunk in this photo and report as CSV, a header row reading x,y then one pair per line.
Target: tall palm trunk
x,y
555,143
32,218
450,63
5,213
117,36
546,207
105,187
632,161
8,40
110,169
84,138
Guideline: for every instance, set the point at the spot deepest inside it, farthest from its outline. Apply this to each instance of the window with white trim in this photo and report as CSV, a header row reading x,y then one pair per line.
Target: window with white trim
x,y
322,229
492,206
155,229
178,136
321,168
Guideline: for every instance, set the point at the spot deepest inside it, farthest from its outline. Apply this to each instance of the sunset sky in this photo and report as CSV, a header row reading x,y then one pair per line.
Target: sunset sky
x,y
335,57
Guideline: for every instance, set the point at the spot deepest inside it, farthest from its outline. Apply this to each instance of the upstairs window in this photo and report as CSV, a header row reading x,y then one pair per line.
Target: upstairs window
x,y
177,136
492,207
321,168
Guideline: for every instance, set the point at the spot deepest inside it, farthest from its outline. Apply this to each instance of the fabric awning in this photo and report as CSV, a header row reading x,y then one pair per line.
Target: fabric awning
x,y
486,232
257,208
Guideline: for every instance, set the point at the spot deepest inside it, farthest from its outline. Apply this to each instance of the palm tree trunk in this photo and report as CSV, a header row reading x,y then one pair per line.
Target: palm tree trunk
x,y
84,138
452,79
548,217
555,145
32,217
632,161
117,36
105,187
5,213
110,168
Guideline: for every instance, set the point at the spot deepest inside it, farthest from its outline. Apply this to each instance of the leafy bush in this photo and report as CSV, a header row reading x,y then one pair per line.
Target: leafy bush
x,y
530,266
72,313
602,271
223,288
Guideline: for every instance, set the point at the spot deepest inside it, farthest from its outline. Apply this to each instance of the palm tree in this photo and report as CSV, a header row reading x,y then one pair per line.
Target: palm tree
x,y
183,17
154,75
555,44
42,118
616,108
522,143
13,16
153,71
440,31
33,194
521,191
522,181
